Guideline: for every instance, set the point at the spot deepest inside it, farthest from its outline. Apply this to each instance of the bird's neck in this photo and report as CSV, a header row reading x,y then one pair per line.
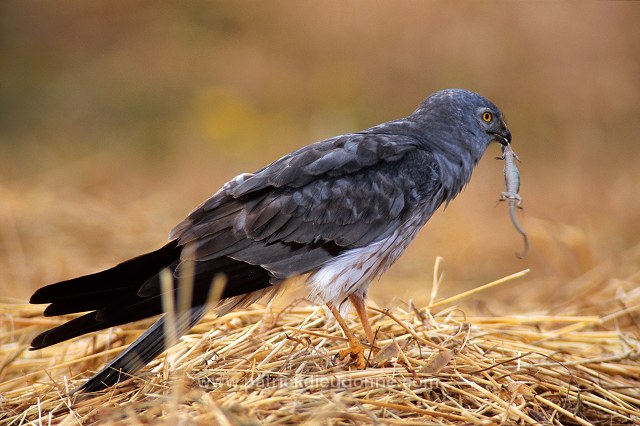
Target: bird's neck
x,y
456,156
456,160
456,170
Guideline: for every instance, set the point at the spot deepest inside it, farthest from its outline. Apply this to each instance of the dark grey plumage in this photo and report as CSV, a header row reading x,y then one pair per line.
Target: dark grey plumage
x,y
341,210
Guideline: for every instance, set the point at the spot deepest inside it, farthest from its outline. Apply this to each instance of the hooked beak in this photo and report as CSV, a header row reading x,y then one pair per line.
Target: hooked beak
x,y
503,137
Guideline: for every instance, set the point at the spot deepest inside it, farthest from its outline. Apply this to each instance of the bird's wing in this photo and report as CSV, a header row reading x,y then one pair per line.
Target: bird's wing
x,y
314,203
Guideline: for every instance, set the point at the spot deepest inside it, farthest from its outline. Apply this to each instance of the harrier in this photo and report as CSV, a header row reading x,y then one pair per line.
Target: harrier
x,y
340,211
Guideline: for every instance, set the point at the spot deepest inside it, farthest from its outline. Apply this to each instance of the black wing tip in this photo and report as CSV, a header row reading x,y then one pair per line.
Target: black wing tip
x,y
59,290
53,311
40,341
40,296
101,382
112,280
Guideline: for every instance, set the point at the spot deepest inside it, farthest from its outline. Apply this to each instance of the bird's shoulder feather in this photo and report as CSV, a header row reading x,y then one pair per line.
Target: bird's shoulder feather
x,y
337,194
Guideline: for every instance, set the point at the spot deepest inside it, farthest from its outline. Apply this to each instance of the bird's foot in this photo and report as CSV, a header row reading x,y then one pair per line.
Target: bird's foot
x,y
355,355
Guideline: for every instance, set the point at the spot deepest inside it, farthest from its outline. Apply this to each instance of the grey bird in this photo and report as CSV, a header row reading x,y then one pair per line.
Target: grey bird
x,y
340,211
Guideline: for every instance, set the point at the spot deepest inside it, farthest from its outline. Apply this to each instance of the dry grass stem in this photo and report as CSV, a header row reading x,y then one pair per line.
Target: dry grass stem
x,y
429,366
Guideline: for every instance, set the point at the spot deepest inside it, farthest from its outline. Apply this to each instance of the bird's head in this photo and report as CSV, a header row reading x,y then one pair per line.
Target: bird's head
x,y
462,117
491,121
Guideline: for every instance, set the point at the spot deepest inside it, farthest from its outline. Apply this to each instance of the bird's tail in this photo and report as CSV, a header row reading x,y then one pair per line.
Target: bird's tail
x,y
144,349
134,290
112,296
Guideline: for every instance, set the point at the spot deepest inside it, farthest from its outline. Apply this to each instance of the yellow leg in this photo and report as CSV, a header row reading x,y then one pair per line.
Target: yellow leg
x,y
355,350
361,309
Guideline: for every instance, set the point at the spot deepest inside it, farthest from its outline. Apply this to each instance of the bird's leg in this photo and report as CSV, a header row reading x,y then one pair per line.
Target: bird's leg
x,y
361,309
355,350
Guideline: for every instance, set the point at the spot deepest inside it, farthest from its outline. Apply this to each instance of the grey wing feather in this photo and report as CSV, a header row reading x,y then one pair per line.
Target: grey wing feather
x,y
300,211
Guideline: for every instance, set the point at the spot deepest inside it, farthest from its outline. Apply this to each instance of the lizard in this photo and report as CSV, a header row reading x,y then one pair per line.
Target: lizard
x,y
512,184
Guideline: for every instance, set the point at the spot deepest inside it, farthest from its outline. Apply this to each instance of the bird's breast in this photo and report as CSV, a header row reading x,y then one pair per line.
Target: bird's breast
x,y
353,270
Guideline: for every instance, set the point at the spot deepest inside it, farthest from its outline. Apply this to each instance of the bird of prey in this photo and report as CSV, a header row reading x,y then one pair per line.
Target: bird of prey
x,y
340,211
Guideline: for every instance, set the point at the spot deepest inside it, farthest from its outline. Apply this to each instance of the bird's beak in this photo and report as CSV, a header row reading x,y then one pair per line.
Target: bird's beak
x,y
503,137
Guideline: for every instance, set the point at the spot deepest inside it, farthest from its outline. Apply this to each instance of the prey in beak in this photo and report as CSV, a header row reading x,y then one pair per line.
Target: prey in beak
x,y
503,137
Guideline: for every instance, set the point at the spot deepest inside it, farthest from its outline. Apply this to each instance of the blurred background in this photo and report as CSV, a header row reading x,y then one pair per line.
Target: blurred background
x,y
117,119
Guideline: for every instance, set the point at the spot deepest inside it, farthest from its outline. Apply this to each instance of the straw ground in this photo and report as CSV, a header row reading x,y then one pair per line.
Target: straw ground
x,y
577,363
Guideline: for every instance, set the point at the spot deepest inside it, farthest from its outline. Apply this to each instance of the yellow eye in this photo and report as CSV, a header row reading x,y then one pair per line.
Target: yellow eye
x,y
487,117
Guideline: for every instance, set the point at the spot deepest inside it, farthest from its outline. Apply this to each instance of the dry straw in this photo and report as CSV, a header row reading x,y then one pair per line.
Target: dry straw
x,y
431,365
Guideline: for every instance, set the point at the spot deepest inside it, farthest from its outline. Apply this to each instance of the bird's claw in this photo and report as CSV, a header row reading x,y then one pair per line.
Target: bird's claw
x,y
355,355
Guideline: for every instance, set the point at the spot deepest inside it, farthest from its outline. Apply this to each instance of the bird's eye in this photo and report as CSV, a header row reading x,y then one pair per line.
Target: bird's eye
x,y
487,117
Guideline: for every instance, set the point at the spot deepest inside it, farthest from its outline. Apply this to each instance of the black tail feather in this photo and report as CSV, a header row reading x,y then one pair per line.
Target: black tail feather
x,y
131,291
135,292
95,291
90,322
144,349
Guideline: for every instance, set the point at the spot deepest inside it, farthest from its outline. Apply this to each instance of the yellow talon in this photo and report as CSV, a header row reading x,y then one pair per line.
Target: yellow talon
x,y
355,353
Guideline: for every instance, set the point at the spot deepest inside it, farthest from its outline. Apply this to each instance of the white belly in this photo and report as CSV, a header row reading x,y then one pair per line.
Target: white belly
x,y
352,271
